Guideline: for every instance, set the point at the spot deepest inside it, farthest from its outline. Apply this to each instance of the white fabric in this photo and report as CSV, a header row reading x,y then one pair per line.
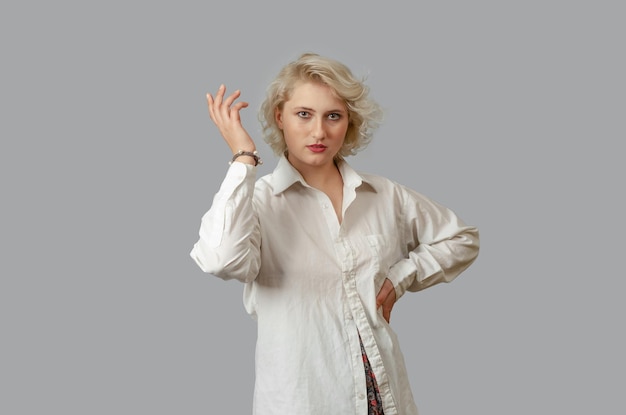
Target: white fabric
x,y
311,282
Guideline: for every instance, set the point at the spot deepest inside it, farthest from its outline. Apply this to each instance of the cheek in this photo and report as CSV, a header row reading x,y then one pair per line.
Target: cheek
x,y
341,131
289,131
290,135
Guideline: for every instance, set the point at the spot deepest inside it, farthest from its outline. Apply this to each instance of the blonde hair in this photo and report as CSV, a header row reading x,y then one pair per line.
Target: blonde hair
x,y
364,113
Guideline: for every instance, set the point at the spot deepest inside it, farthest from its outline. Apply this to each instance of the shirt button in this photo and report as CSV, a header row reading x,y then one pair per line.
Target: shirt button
x,y
325,206
361,396
349,317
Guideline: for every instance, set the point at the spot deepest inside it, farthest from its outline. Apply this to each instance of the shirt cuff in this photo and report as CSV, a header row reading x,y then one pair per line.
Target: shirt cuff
x,y
414,273
402,274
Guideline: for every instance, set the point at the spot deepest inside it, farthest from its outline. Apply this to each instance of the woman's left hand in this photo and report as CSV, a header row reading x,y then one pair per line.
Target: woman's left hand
x,y
386,298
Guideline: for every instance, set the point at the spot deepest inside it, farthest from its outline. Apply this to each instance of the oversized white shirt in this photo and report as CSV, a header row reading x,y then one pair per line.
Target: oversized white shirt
x,y
311,282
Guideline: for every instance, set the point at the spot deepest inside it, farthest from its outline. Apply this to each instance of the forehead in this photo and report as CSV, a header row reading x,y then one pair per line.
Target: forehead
x,y
309,93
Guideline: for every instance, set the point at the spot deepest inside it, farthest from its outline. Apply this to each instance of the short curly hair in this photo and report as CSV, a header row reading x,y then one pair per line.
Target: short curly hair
x,y
364,114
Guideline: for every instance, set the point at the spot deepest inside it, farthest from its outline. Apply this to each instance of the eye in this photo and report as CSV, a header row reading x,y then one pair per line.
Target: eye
x,y
334,116
303,114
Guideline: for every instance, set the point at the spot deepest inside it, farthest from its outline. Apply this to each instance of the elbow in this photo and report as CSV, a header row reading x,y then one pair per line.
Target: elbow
x,y
460,253
243,267
474,242
468,247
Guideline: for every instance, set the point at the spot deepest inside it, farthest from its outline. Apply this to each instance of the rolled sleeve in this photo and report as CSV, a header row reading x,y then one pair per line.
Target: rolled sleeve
x,y
442,246
229,235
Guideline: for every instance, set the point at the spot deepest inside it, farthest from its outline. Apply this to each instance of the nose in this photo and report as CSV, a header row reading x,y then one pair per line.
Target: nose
x,y
318,132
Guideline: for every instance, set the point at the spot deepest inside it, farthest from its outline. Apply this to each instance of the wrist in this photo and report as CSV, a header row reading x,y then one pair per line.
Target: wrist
x,y
248,157
242,145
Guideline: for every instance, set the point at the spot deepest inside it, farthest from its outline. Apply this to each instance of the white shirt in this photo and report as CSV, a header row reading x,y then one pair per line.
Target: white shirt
x,y
311,282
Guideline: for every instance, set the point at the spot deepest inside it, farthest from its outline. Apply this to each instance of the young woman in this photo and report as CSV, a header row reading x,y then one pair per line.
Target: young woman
x,y
324,251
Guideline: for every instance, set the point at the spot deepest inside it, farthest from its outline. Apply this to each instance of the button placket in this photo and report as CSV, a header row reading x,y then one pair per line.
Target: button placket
x,y
327,212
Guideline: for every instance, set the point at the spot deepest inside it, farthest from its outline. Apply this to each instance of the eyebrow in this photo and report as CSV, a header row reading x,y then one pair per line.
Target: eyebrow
x,y
312,110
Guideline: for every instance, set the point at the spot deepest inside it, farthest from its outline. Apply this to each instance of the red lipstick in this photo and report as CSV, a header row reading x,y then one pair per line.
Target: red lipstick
x,y
317,148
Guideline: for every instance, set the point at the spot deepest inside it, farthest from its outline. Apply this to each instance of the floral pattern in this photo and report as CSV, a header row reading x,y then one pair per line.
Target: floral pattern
x,y
375,406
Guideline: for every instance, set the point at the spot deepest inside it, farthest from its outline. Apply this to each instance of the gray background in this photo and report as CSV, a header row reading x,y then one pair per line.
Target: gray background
x,y
511,113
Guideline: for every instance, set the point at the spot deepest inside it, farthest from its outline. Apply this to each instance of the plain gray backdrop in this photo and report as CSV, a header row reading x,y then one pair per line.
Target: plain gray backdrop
x,y
510,113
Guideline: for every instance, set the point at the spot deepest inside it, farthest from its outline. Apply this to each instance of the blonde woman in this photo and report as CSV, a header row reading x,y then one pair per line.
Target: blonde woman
x,y
324,252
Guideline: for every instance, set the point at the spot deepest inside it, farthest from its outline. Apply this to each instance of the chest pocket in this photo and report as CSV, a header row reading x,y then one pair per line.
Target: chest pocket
x,y
383,256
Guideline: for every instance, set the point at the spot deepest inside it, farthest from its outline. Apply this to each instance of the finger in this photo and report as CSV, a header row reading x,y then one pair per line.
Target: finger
x,y
223,107
387,306
211,105
217,103
384,292
214,111
386,314
234,111
232,97
219,95
230,111
387,311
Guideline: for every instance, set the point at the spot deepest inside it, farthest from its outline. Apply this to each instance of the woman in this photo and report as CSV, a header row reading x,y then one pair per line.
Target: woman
x,y
324,251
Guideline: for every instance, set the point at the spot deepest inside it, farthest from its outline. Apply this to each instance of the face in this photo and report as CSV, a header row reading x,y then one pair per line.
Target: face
x,y
314,123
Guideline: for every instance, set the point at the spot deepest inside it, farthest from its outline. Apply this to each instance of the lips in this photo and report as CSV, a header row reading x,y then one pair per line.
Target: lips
x,y
316,148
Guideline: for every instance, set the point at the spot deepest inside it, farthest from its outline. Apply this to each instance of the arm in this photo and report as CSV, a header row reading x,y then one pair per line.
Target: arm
x,y
230,239
229,243
440,245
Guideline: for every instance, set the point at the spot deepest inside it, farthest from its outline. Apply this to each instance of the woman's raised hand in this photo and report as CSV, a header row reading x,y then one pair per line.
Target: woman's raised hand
x,y
225,114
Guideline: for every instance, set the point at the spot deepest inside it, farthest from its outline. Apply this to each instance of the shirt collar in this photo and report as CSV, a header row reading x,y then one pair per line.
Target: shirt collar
x,y
285,175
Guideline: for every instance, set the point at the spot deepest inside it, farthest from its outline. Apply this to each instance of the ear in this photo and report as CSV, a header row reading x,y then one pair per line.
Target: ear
x,y
278,116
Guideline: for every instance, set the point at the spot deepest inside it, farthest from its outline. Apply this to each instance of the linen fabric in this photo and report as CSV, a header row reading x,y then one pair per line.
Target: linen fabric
x,y
311,282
